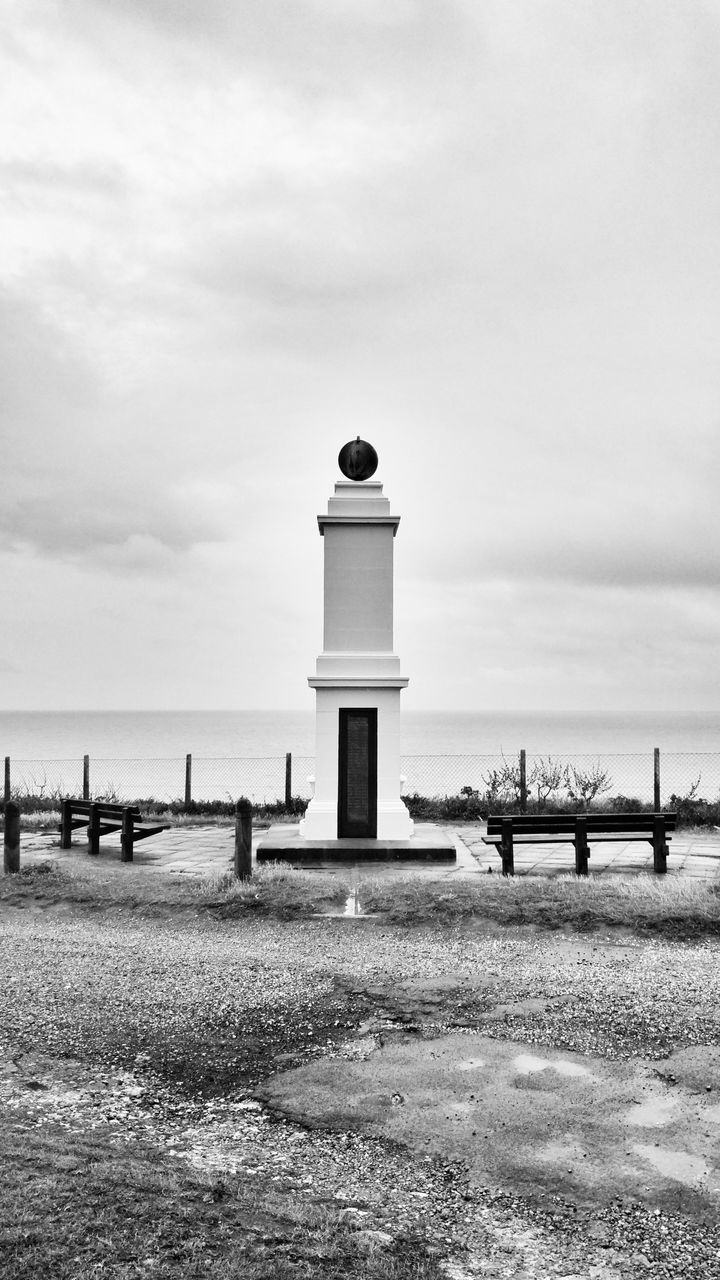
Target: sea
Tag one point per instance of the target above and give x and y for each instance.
(61, 735)
(136, 754)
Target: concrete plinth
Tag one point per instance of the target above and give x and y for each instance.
(285, 844)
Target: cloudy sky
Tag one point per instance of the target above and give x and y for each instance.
(482, 234)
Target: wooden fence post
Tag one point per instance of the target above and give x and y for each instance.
(188, 780)
(11, 852)
(7, 779)
(86, 778)
(243, 840)
(523, 781)
(288, 779)
(656, 779)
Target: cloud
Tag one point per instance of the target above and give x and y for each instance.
(76, 180)
(483, 236)
(561, 645)
(72, 490)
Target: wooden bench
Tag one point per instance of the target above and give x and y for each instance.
(101, 819)
(580, 829)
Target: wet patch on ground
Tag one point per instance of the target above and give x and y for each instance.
(531, 1122)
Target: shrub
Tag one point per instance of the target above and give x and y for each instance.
(584, 785)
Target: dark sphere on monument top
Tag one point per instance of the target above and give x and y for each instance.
(358, 460)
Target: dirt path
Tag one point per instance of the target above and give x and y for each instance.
(524, 1104)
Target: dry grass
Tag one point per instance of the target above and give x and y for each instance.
(278, 891)
(82, 1206)
(671, 906)
(99, 885)
(668, 905)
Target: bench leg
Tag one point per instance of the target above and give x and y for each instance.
(126, 837)
(660, 849)
(582, 853)
(65, 824)
(506, 848)
(94, 831)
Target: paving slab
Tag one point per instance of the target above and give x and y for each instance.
(205, 850)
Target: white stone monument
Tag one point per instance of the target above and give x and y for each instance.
(357, 681)
(356, 807)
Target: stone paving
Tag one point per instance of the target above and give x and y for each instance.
(691, 853)
(210, 849)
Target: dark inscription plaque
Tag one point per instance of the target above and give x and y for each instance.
(357, 768)
(357, 792)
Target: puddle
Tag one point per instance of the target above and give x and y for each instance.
(678, 1165)
(526, 1063)
(352, 906)
(653, 1113)
(360, 870)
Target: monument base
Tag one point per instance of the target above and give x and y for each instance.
(321, 822)
(285, 844)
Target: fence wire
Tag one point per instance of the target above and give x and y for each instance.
(564, 779)
(263, 780)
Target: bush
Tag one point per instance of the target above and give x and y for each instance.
(474, 806)
(221, 808)
(692, 812)
(467, 807)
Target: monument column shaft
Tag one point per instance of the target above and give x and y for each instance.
(358, 588)
(357, 668)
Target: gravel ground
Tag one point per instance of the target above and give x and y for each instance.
(165, 1028)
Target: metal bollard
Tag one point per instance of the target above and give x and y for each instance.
(243, 840)
(11, 852)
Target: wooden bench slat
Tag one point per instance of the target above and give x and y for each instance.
(84, 806)
(620, 837)
(142, 833)
(537, 839)
(566, 822)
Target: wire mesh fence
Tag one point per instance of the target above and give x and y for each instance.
(43, 779)
(566, 780)
(561, 780)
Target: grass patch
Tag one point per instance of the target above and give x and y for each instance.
(273, 890)
(280, 891)
(99, 885)
(668, 906)
(79, 1206)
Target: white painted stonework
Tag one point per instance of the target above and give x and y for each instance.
(358, 667)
